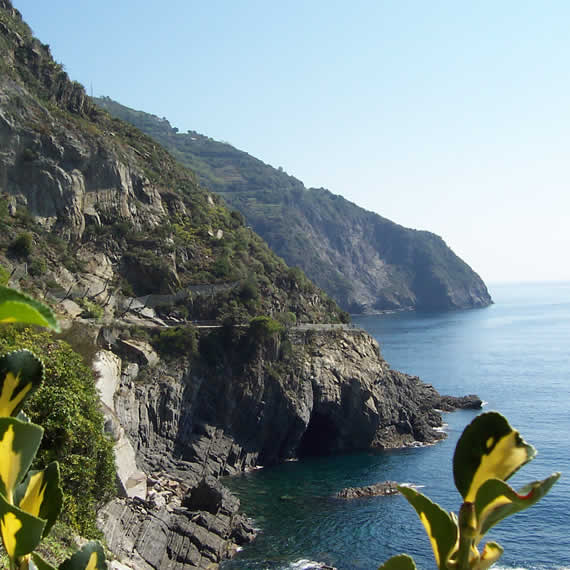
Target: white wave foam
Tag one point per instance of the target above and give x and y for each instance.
(411, 485)
(305, 564)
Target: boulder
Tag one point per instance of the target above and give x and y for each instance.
(377, 489)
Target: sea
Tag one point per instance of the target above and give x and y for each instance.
(515, 355)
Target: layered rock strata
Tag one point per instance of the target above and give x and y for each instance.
(193, 424)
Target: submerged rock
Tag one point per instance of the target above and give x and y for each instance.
(378, 489)
(450, 403)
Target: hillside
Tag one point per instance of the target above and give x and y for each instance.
(98, 220)
(94, 211)
(364, 261)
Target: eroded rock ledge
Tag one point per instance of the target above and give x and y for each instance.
(193, 424)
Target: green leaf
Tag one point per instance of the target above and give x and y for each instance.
(496, 500)
(491, 553)
(16, 307)
(21, 532)
(399, 562)
(90, 557)
(38, 563)
(19, 442)
(40, 495)
(488, 448)
(441, 528)
(21, 374)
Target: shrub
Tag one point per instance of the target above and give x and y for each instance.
(37, 267)
(264, 328)
(176, 341)
(22, 245)
(249, 290)
(4, 275)
(91, 310)
(67, 406)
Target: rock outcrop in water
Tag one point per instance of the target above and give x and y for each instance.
(193, 423)
(384, 489)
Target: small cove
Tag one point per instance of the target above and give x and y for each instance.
(514, 355)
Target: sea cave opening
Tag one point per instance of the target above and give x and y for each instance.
(320, 437)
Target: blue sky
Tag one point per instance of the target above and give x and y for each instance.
(450, 116)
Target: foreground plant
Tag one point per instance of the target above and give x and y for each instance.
(30, 501)
(488, 452)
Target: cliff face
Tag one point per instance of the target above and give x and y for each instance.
(336, 394)
(364, 261)
(191, 421)
(93, 208)
(96, 218)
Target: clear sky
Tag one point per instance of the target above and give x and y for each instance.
(451, 116)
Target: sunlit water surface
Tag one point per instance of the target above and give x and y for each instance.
(516, 356)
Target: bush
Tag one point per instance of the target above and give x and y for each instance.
(177, 341)
(91, 310)
(264, 328)
(249, 290)
(4, 275)
(22, 246)
(37, 267)
(67, 406)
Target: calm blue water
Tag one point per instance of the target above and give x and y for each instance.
(516, 356)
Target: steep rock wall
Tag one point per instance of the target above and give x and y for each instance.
(340, 396)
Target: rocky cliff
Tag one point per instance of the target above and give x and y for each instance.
(190, 422)
(93, 209)
(99, 220)
(364, 261)
(334, 393)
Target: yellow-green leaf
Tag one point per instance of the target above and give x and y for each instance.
(90, 557)
(15, 307)
(399, 562)
(21, 532)
(488, 448)
(40, 495)
(496, 500)
(491, 553)
(19, 442)
(441, 528)
(21, 374)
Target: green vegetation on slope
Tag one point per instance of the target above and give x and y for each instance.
(364, 261)
(67, 407)
(162, 232)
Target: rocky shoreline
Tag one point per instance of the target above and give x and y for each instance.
(178, 430)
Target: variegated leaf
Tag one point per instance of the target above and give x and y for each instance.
(40, 495)
(90, 557)
(21, 374)
(496, 500)
(21, 532)
(491, 553)
(488, 448)
(399, 562)
(15, 307)
(19, 442)
(441, 528)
